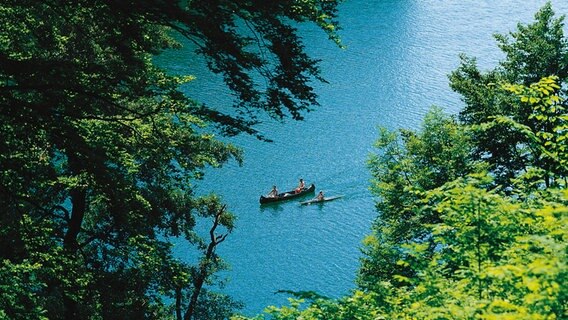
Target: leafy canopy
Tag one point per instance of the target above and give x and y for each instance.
(100, 150)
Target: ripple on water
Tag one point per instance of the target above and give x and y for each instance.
(396, 65)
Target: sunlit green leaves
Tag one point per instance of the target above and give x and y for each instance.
(547, 132)
(20, 289)
(536, 57)
(404, 167)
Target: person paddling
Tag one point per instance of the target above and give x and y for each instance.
(301, 186)
(320, 196)
(273, 193)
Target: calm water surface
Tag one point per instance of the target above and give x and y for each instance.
(395, 67)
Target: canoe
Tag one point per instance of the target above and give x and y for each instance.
(320, 201)
(288, 195)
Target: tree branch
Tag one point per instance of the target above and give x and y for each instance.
(208, 260)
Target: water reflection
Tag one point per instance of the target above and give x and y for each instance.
(274, 208)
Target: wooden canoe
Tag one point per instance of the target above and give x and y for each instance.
(315, 200)
(288, 195)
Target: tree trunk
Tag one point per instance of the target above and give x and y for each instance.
(70, 243)
(203, 274)
(79, 202)
(205, 264)
(178, 303)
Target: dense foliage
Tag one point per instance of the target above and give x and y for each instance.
(533, 52)
(473, 210)
(100, 150)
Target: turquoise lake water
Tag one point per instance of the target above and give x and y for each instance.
(395, 67)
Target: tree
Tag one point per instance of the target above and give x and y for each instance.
(533, 52)
(465, 246)
(547, 134)
(461, 245)
(491, 260)
(404, 168)
(519, 134)
(100, 150)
